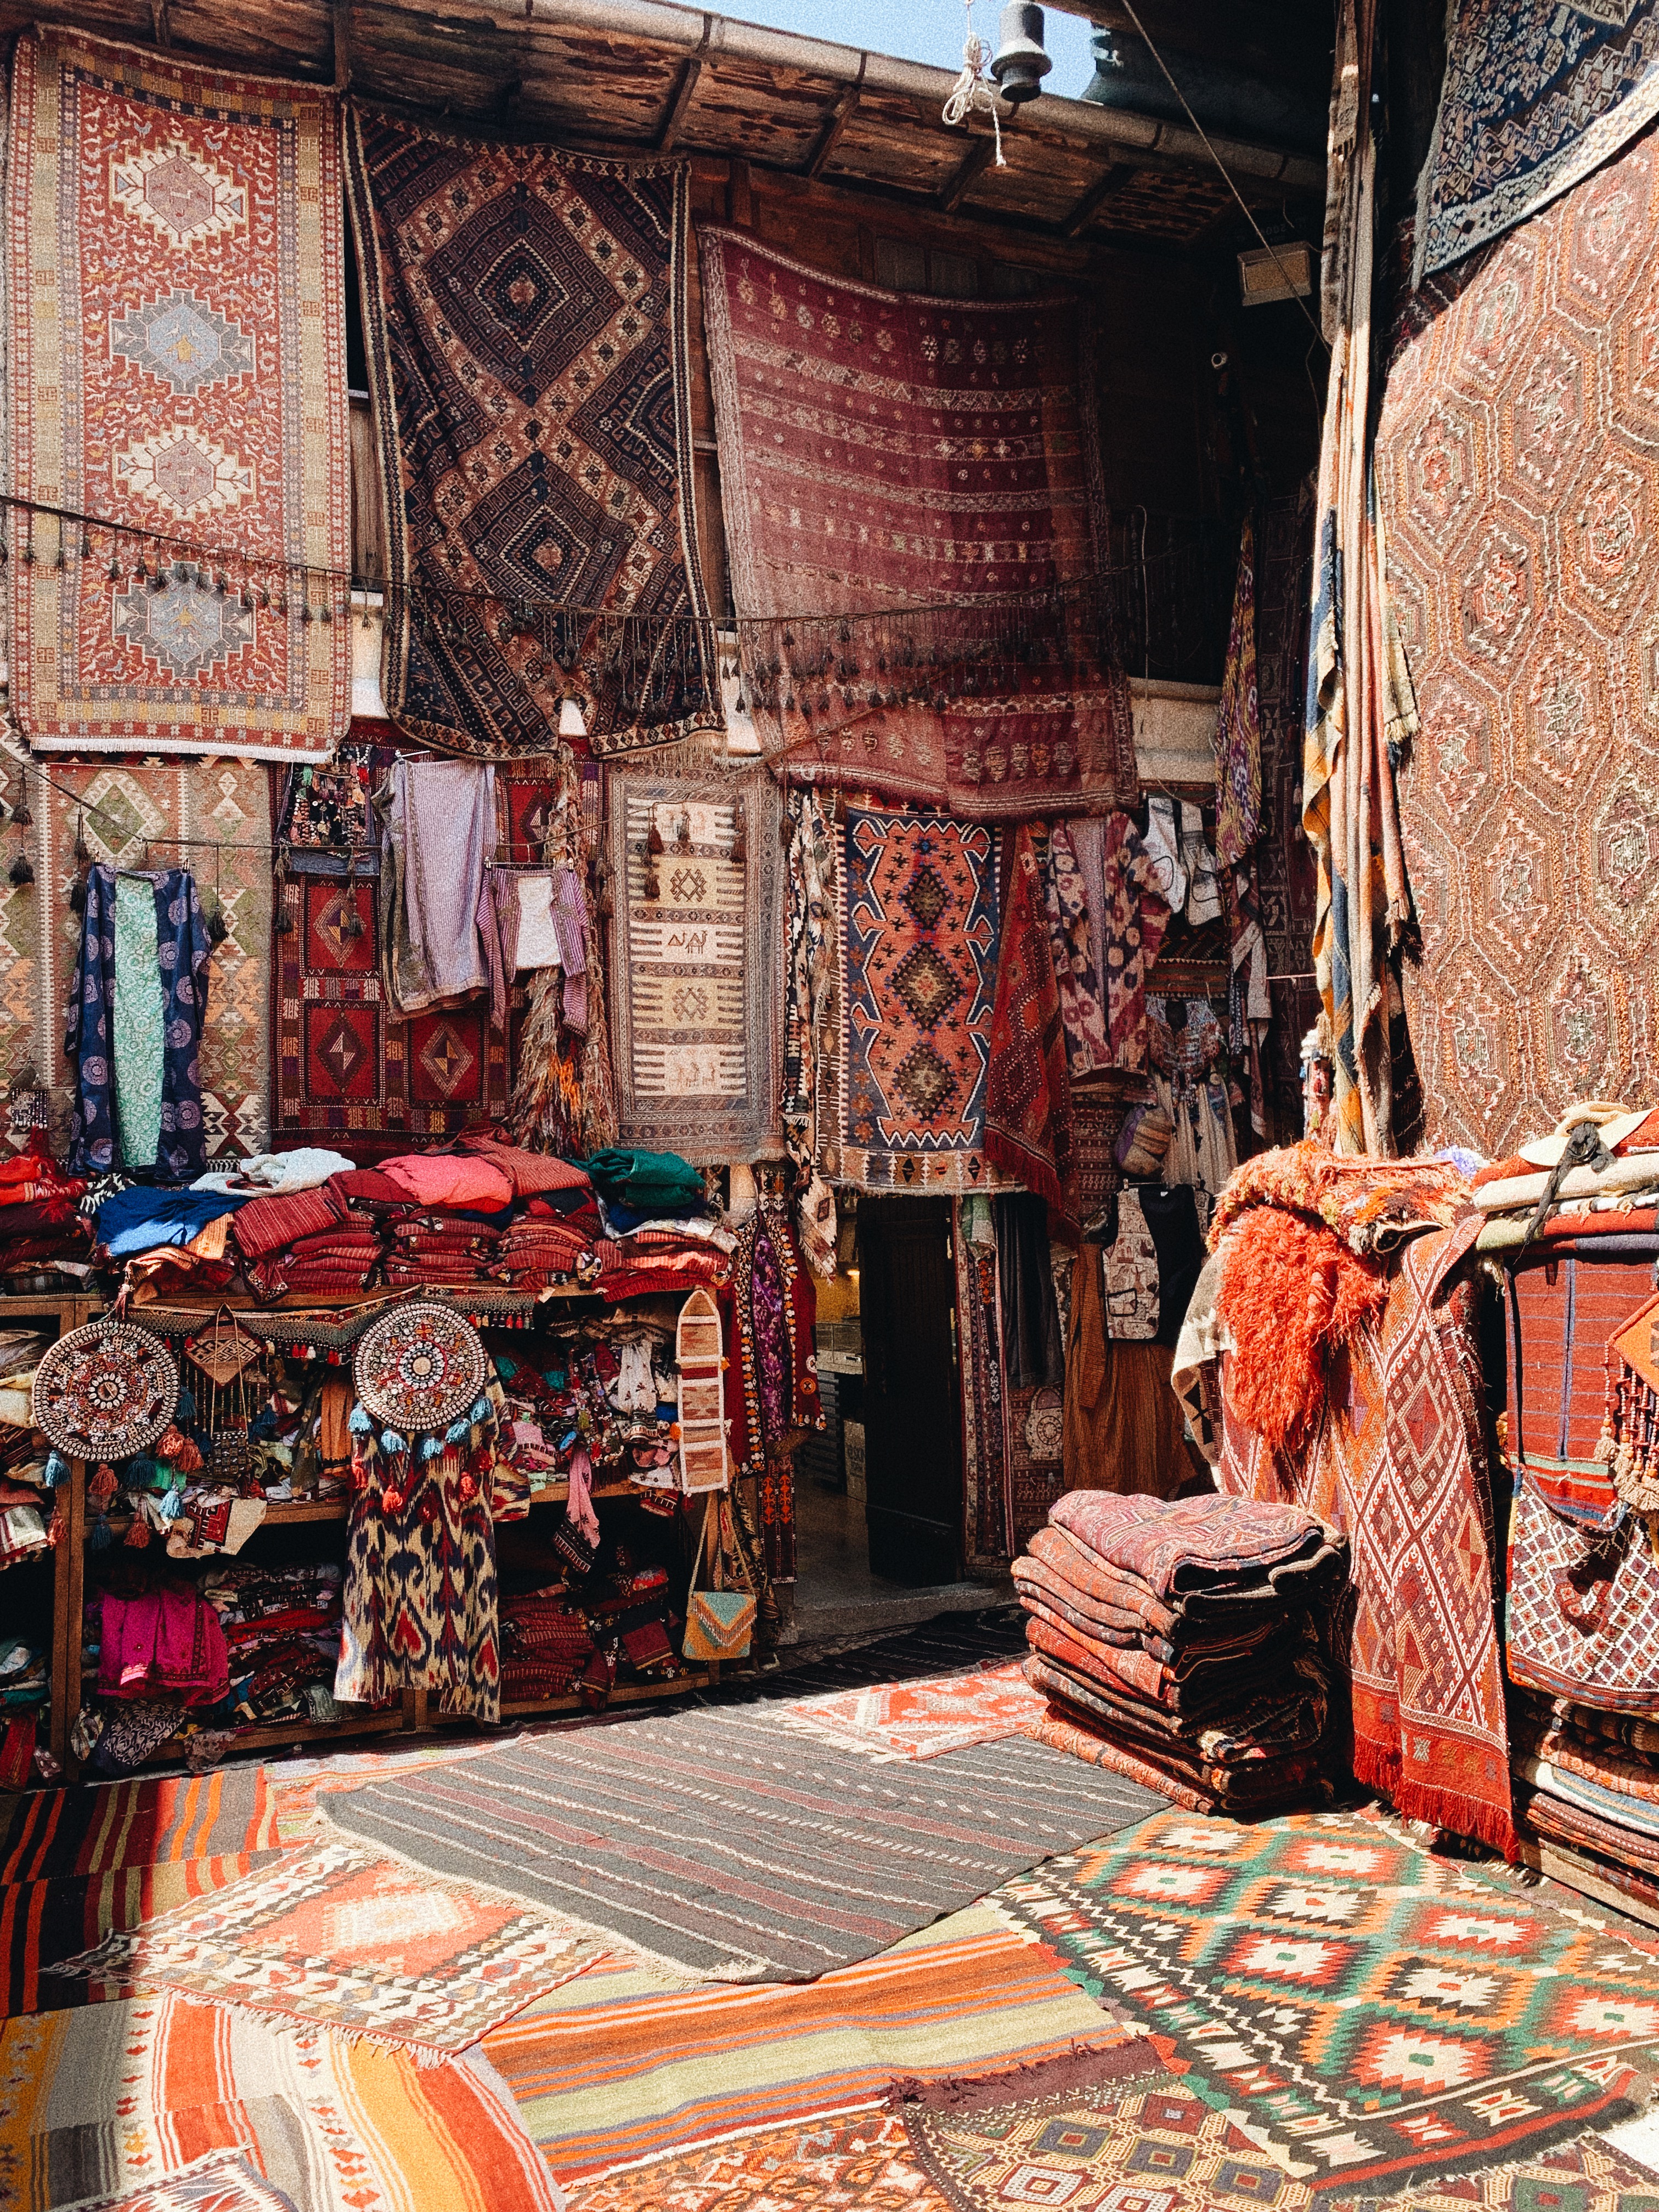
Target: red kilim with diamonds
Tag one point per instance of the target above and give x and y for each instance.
(175, 248)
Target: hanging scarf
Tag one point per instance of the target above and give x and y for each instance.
(1361, 711)
(810, 1014)
(1238, 727)
(1076, 976)
(1137, 915)
(1028, 1104)
(183, 948)
(564, 1099)
(768, 1312)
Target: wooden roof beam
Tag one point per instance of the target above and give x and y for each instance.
(1112, 180)
(839, 116)
(972, 166)
(680, 99)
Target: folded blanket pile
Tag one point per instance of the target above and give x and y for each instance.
(1176, 1643)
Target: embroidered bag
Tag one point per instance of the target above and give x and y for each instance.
(1582, 1616)
(718, 1623)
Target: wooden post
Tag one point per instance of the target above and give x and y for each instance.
(68, 1604)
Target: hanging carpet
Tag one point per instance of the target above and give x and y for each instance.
(926, 470)
(696, 987)
(797, 1873)
(184, 369)
(1535, 97)
(524, 316)
(1529, 819)
(918, 918)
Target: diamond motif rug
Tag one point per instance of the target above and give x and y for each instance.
(126, 814)
(918, 901)
(1367, 2014)
(524, 315)
(340, 1938)
(696, 988)
(919, 1720)
(189, 375)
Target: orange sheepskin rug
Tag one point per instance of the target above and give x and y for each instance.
(1291, 1294)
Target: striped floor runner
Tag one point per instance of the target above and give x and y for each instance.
(621, 2066)
(725, 1844)
(162, 1822)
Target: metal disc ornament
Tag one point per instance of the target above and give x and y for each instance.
(105, 1391)
(419, 1369)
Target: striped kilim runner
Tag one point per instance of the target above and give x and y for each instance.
(160, 1822)
(724, 1844)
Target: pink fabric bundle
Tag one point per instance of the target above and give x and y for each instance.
(270, 1223)
(166, 1642)
(528, 1172)
(450, 1179)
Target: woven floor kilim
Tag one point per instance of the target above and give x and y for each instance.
(1370, 2014)
(728, 1845)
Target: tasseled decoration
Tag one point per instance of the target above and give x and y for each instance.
(432, 1448)
(187, 1411)
(170, 1443)
(103, 1535)
(263, 1426)
(358, 1421)
(171, 1506)
(187, 1460)
(457, 1432)
(138, 1471)
(103, 1485)
(653, 843)
(20, 872)
(57, 1528)
(392, 1443)
(57, 1470)
(77, 896)
(653, 888)
(137, 1533)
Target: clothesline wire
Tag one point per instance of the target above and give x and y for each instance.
(1226, 174)
(224, 557)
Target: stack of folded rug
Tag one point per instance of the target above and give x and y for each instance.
(1588, 1789)
(1176, 1641)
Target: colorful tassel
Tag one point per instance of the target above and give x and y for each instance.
(138, 1535)
(392, 1443)
(432, 1448)
(456, 1433)
(186, 1403)
(103, 1535)
(480, 1409)
(103, 1485)
(358, 1421)
(171, 1506)
(57, 1470)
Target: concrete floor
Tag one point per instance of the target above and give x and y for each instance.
(836, 1596)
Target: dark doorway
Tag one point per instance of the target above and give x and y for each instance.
(913, 1429)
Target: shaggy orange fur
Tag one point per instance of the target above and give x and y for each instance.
(1291, 1294)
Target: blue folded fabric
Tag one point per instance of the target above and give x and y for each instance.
(139, 1220)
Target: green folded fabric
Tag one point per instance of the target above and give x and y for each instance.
(651, 1182)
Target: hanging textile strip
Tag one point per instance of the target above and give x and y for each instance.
(918, 917)
(189, 375)
(884, 453)
(524, 314)
(1238, 726)
(1534, 99)
(1529, 999)
(986, 1498)
(703, 1394)
(767, 1308)
(697, 997)
(1028, 1120)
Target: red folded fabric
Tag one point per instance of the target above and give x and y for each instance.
(528, 1172)
(366, 1187)
(270, 1223)
(449, 1179)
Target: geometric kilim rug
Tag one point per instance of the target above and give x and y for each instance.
(344, 1939)
(1365, 2014)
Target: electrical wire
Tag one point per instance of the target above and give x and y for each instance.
(1226, 177)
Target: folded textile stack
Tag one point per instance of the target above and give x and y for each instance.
(332, 1265)
(1589, 1782)
(1176, 1641)
(282, 1630)
(40, 1224)
(546, 1645)
(659, 1259)
(1595, 1174)
(435, 1248)
(544, 1247)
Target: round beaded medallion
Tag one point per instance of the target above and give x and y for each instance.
(419, 1369)
(105, 1391)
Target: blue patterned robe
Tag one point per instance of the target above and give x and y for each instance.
(183, 948)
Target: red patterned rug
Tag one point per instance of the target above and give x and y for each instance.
(883, 454)
(919, 1720)
(919, 940)
(187, 374)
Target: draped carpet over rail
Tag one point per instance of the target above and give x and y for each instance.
(524, 315)
(883, 454)
(177, 358)
(728, 1845)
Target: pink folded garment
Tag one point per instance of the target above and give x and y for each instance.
(168, 1640)
(270, 1223)
(528, 1172)
(451, 1179)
